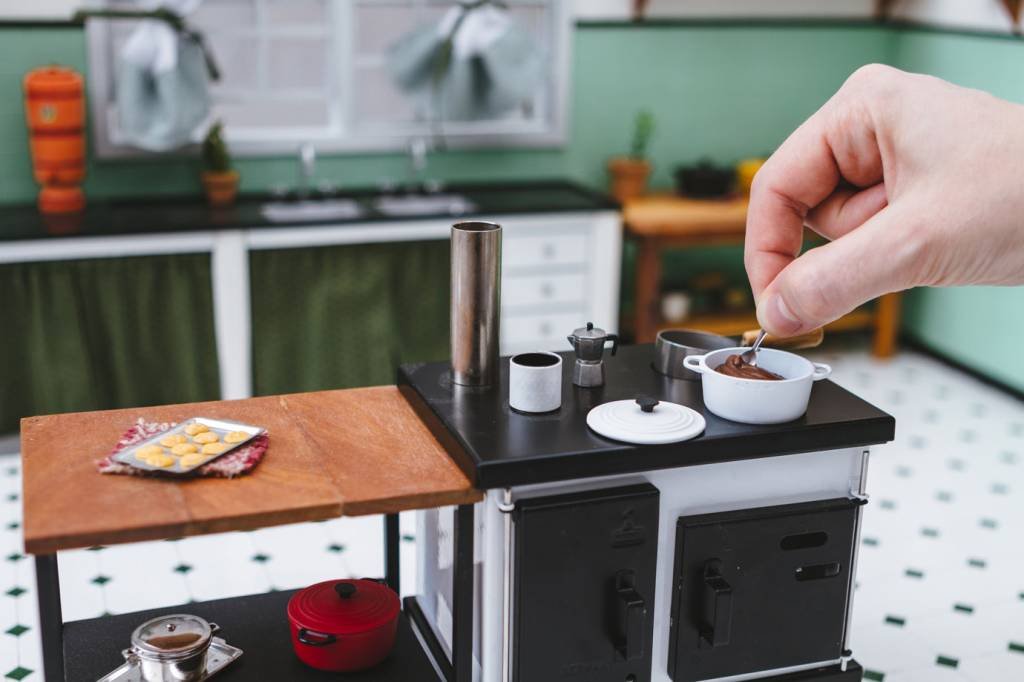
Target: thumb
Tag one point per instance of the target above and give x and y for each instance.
(829, 281)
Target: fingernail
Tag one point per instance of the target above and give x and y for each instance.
(777, 318)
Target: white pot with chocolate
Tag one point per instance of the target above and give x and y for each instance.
(777, 390)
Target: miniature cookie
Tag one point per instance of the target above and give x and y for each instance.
(183, 449)
(192, 459)
(172, 440)
(214, 448)
(160, 460)
(194, 429)
(236, 437)
(205, 437)
(148, 451)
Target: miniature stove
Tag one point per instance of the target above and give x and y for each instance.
(727, 557)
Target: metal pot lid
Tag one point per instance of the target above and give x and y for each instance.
(344, 607)
(645, 421)
(589, 332)
(170, 637)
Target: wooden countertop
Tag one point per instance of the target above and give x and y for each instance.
(332, 453)
(665, 215)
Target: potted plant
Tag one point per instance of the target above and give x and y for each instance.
(220, 180)
(629, 173)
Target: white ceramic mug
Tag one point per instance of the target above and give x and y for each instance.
(535, 382)
(758, 401)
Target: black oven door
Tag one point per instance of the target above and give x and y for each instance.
(583, 601)
(761, 589)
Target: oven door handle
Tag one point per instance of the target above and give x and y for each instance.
(632, 616)
(717, 607)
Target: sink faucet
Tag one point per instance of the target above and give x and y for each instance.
(418, 149)
(307, 168)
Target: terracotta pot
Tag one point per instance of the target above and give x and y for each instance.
(628, 177)
(221, 187)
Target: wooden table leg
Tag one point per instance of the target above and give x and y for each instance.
(645, 295)
(887, 325)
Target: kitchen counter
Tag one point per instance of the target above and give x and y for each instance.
(190, 214)
(497, 447)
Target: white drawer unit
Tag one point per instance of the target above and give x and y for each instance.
(559, 271)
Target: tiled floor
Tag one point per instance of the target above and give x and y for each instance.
(941, 577)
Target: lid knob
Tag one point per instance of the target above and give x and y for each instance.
(345, 590)
(590, 326)
(647, 403)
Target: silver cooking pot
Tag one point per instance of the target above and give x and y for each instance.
(171, 648)
(672, 346)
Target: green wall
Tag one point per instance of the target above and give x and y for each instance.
(978, 326)
(720, 91)
(724, 92)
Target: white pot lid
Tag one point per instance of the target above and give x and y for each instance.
(645, 421)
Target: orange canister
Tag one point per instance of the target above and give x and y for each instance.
(55, 114)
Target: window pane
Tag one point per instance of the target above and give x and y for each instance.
(291, 12)
(225, 14)
(297, 62)
(283, 114)
(379, 26)
(377, 101)
(238, 61)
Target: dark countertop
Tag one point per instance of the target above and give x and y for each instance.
(497, 447)
(170, 215)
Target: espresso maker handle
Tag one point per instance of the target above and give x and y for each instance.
(614, 338)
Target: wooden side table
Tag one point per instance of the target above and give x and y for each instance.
(657, 223)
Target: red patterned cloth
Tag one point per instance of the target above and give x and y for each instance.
(235, 463)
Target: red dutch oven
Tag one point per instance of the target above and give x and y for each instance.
(343, 625)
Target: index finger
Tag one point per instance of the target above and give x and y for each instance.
(801, 174)
(838, 142)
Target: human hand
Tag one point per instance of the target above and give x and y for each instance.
(915, 181)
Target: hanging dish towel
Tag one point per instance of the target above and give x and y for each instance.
(162, 89)
(476, 63)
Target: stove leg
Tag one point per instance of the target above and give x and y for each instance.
(391, 553)
(462, 597)
(51, 622)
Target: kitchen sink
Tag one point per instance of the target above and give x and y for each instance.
(317, 209)
(423, 204)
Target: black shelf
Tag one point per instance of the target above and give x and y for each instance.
(497, 447)
(257, 624)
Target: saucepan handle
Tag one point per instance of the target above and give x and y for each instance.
(821, 371)
(313, 638)
(696, 363)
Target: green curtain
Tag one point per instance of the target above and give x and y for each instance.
(346, 316)
(105, 333)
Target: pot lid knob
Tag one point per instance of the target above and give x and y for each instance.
(345, 590)
(647, 403)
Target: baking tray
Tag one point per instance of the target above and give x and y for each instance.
(218, 656)
(175, 466)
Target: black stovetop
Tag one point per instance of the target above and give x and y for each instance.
(498, 447)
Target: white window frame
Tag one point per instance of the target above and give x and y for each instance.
(548, 131)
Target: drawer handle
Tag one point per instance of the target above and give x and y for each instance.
(717, 606)
(547, 290)
(549, 251)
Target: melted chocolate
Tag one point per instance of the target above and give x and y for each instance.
(735, 367)
(173, 641)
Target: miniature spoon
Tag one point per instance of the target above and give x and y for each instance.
(750, 356)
